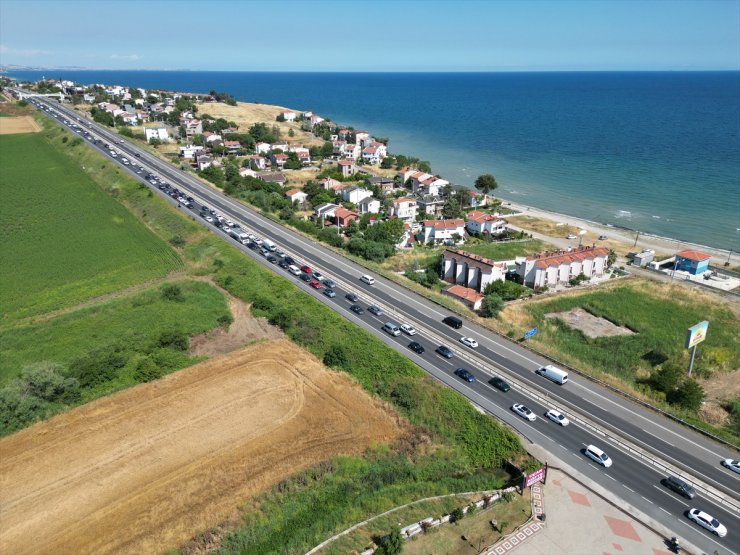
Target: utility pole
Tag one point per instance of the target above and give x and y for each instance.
(636, 237)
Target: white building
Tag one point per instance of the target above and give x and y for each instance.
(189, 151)
(443, 231)
(355, 194)
(369, 205)
(559, 267)
(485, 224)
(159, 133)
(288, 116)
(404, 208)
(470, 270)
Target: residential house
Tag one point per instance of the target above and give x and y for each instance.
(471, 270)
(304, 158)
(342, 216)
(371, 155)
(279, 146)
(559, 267)
(158, 133)
(443, 231)
(404, 208)
(331, 184)
(361, 136)
(485, 224)
(89, 98)
(306, 115)
(192, 127)
(430, 204)
(247, 172)
(204, 162)
(469, 297)
(347, 167)
(288, 116)
(421, 182)
(369, 205)
(211, 137)
(355, 194)
(296, 195)
(272, 177)
(262, 148)
(350, 151)
(189, 151)
(279, 159)
(257, 161)
(315, 120)
(693, 262)
(385, 184)
(232, 147)
(326, 210)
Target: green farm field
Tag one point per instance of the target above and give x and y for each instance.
(64, 239)
(134, 321)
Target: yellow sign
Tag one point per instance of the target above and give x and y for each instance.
(696, 334)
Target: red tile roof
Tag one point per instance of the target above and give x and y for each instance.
(293, 192)
(696, 256)
(465, 293)
(343, 213)
(474, 257)
(481, 217)
(444, 224)
(345, 162)
(557, 258)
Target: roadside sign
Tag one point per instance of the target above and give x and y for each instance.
(536, 476)
(530, 333)
(696, 334)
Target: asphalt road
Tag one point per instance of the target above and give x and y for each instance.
(634, 479)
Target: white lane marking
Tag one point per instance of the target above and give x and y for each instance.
(662, 509)
(669, 494)
(629, 488)
(610, 477)
(653, 422)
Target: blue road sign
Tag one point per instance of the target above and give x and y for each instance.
(530, 333)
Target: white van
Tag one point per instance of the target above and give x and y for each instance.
(295, 270)
(368, 279)
(553, 373)
(392, 328)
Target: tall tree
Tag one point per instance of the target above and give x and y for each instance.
(486, 183)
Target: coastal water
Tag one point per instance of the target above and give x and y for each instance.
(656, 152)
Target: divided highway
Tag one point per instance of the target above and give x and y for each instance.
(640, 442)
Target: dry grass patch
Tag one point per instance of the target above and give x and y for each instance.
(18, 124)
(246, 114)
(138, 471)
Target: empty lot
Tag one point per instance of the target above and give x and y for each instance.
(145, 469)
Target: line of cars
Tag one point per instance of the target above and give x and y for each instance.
(315, 280)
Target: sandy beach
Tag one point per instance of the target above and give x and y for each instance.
(622, 240)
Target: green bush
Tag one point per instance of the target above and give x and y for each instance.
(174, 339)
(98, 366)
(172, 292)
(457, 515)
(491, 306)
(147, 370)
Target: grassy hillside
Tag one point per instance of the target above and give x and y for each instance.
(65, 240)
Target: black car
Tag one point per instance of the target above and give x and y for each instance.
(679, 486)
(272, 259)
(372, 309)
(444, 351)
(306, 277)
(498, 383)
(357, 309)
(283, 264)
(289, 260)
(351, 297)
(330, 283)
(465, 375)
(416, 347)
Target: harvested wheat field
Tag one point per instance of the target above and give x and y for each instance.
(20, 124)
(144, 470)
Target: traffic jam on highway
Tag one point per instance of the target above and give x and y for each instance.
(455, 350)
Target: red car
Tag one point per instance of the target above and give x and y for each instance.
(306, 269)
(315, 284)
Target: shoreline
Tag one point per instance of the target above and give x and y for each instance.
(622, 234)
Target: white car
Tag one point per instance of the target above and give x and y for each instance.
(209, 219)
(570, 236)
(469, 341)
(707, 521)
(732, 465)
(597, 455)
(229, 223)
(524, 412)
(557, 417)
(408, 329)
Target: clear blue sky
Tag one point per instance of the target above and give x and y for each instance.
(373, 35)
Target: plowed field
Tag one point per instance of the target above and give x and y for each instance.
(145, 469)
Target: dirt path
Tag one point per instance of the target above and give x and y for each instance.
(144, 470)
(19, 124)
(244, 329)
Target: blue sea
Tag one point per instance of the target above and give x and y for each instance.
(657, 152)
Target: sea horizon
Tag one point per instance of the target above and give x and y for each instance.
(652, 151)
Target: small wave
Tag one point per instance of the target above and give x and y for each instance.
(624, 214)
(656, 217)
